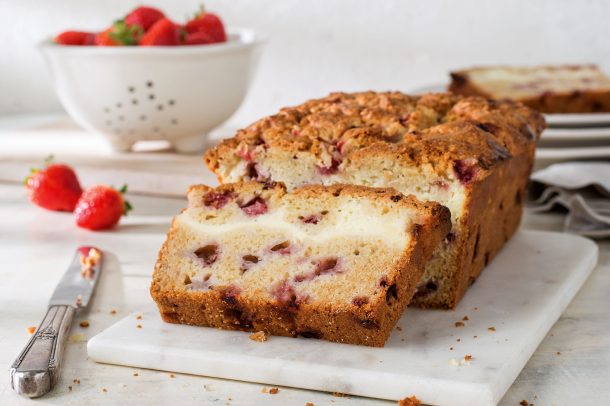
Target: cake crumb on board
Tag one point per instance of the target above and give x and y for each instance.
(409, 401)
(259, 336)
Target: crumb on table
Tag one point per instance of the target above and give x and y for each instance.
(139, 317)
(468, 357)
(136, 374)
(139, 326)
(340, 394)
(31, 330)
(459, 324)
(84, 323)
(309, 404)
(113, 312)
(77, 338)
(465, 318)
(264, 390)
(70, 388)
(492, 328)
(259, 336)
(273, 391)
(172, 375)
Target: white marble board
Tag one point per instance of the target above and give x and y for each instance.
(521, 295)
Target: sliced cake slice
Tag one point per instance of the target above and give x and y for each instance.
(549, 89)
(337, 262)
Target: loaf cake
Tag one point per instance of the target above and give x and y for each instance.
(549, 89)
(470, 154)
(339, 263)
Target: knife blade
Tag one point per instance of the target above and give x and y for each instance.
(36, 369)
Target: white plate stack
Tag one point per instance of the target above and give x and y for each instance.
(574, 137)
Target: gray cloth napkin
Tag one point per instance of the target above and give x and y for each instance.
(581, 188)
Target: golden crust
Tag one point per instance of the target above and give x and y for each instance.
(435, 127)
(368, 324)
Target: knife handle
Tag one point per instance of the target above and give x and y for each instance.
(36, 370)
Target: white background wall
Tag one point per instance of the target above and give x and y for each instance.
(317, 46)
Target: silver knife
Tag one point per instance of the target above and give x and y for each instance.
(36, 370)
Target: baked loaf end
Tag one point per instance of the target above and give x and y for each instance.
(470, 154)
(549, 89)
(339, 263)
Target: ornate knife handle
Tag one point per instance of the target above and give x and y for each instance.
(36, 370)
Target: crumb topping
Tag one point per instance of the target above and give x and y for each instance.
(421, 129)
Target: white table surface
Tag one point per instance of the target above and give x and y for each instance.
(578, 375)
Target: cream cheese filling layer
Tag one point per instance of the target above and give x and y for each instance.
(354, 220)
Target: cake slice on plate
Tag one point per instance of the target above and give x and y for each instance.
(337, 262)
(549, 89)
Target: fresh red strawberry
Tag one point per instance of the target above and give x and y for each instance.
(101, 207)
(198, 38)
(163, 32)
(120, 33)
(55, 187)
(209, 23)
(75, 38)
(144, 16)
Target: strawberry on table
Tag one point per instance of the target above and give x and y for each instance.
(163, 32)
(101, 207)
(209, 23)
(75, 38)
(144, 16)
(55, 187)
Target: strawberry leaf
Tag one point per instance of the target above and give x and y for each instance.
(128, 207)
(126, 34)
